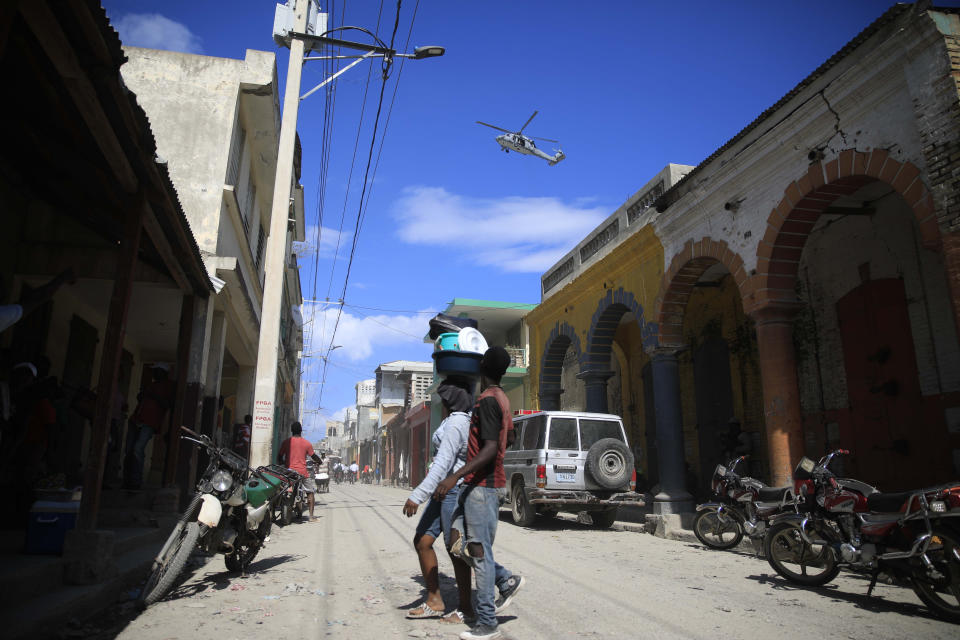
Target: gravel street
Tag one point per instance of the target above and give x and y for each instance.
(354, 574)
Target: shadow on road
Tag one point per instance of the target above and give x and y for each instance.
(872, 603)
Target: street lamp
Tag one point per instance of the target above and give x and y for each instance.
(291, 25)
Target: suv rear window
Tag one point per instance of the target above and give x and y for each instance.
(533, 435)
(563, 433)
(593, 430)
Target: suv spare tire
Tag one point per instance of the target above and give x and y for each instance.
(609, 463)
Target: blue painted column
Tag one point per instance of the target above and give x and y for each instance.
(673, 496)
(550, 398)
(595, 381)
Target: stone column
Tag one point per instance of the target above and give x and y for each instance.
(549, 398)
(951, 259)
(781, 395)
(218, 335)
(673, 497)
(595, 381)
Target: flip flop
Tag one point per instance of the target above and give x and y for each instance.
(423, 611)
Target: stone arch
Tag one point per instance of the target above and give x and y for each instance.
(561, 338)
(805, 199)
(771, 297)
(595, 362)
(603, 325)
(679, 279)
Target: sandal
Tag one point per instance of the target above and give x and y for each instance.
(423, 611)
(456, 617)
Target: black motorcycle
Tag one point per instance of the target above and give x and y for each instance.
(229, 514)
(293, 500)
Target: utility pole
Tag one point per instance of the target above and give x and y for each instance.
(265, 393)
(294, 29)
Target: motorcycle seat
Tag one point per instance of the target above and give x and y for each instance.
(772, 494)
(888, 502)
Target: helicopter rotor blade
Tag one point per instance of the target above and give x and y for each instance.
(528, 122)
(544, 139)
(493, 127)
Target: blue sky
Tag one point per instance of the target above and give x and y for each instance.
(626, 87)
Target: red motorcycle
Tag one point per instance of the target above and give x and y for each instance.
(743, 505)
(913, 536)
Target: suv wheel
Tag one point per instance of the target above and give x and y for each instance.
(521, 509)
(609, 463)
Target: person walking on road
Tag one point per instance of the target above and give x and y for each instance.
(450, 441)
(293, 453)
(477, 516)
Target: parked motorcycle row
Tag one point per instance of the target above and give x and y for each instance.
(231, 513)
(823, 523)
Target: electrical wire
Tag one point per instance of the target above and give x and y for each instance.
(385, 73)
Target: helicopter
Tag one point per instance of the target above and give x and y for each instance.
(516, 141)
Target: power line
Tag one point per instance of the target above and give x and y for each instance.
(366, 176)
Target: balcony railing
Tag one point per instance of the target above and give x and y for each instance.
(518, 356)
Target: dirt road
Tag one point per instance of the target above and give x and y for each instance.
(354, 574)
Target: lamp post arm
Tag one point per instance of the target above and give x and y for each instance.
(369, 54)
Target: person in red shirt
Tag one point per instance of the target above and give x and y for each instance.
(293, 454)
(241, 437)
(491, 427)
(148, 419)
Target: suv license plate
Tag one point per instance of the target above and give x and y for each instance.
(566, 477)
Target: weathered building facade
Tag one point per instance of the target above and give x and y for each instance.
(82, 188)
(803, 280)
(217, 123)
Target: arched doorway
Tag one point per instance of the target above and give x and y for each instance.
(856, 324)
(702, 315)
(560, 356)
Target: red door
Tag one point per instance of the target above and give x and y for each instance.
(894, 445)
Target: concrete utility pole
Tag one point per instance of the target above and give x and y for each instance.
(265, 393)
(264, 397)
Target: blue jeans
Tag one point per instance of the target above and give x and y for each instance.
(138, 453)
(479, 513)
(438, 516)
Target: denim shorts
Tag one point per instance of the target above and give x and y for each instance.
(437, 516)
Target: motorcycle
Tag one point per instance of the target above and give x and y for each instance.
(911, 536)
(228, 515)
(743, 506)
(293, 501)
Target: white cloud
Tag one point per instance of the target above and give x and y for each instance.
(359, 334)
(153, 31)
(515, 233)
(330, 242)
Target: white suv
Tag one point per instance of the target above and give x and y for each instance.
(569, 461)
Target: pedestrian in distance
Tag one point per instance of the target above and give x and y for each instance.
(241, 437)
(148, 420)
(293, 454)
(450, 442)
(475, 521)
